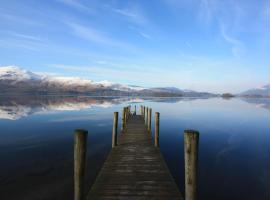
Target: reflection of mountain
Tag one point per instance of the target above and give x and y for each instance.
(259, 102)
(14, 80)
(16, 107)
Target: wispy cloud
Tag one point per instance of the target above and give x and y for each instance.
(238, 48)
(206, 10)
(145, 35)
(22, 36)
(132, 13)
(140, 32)
(96, 36)
(22, 44)
(77, 5)
(129, 74)
(7, 17)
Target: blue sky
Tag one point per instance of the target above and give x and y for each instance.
(205, 45)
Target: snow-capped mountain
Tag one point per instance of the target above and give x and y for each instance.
(262, 91)
(15, 80)
(16, 74)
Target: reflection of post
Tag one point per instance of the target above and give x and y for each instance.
(135, 110)
(157, 130)
(80, 146)
(114, 131)
(149, 119)
(191, 143)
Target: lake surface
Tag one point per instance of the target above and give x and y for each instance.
(36, 145)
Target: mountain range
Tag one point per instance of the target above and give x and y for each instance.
(15, 80)
(257, 92)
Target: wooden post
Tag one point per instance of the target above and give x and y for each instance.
(123, 120)
(114, 131)
(191, 143)
(157, 130)
(80, 147)
(135, 110)
(146, 116)
(127, 113)
(149, 119)
(144, 110)
(125, 116)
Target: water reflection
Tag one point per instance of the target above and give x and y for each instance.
(16, 107)
(36, 144)
(259, 102)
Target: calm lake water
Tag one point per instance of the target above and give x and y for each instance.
(36, 145)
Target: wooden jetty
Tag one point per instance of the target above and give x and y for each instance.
(135, 168)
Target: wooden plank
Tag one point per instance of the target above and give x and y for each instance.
(135, 169)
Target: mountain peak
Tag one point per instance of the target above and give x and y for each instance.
(16, 74)
(259, 91)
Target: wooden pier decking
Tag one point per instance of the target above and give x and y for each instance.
(135, 168)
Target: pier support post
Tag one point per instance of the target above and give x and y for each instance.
(80, 148)
(114, 131)
(146, 116)
(191, 143)
(125, 115)
(149, 119)
(157, 130)
(144, 111)
(123, 120)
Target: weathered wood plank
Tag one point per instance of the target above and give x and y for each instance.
(135, 169)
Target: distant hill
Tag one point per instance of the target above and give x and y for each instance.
(14, 80)
(257, 92)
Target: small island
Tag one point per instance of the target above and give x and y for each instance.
(227, 95)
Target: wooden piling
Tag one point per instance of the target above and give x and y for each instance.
(191, 143)
(80, 148)
(114, 131)
(126, 115)
(146, 116)
(157, 129)
(123, 120)
(127, 112)
(149, 119)
(144, 111)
